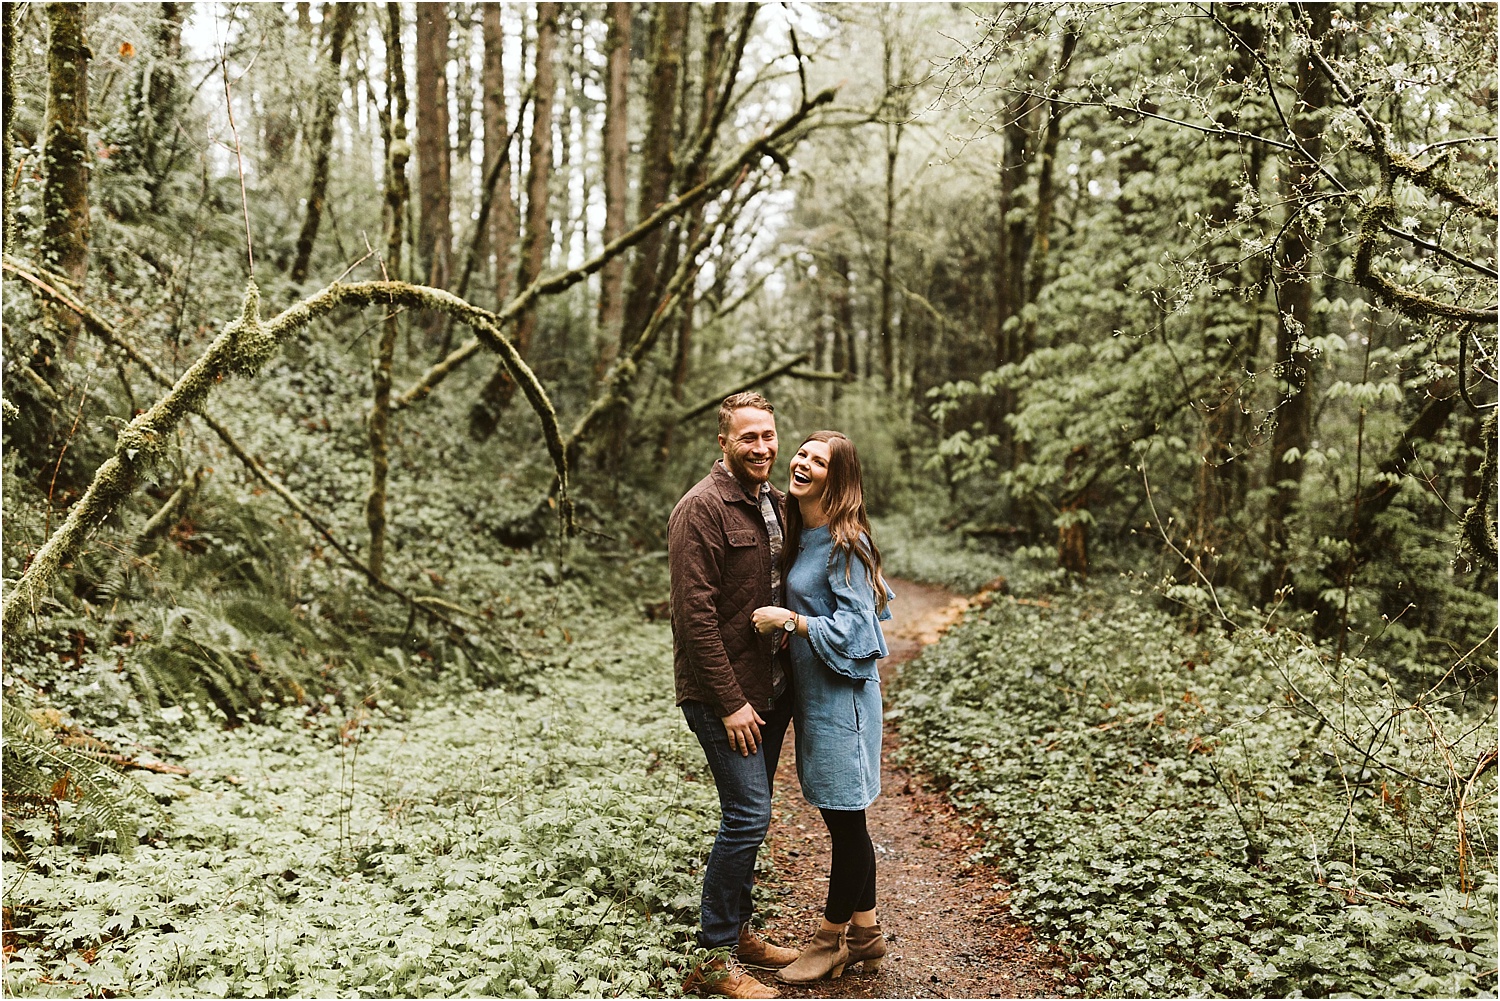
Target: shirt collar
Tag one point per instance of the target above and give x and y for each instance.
(731, 489)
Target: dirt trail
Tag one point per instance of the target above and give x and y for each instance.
(946, 924)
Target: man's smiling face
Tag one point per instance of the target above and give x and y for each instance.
(750, 446)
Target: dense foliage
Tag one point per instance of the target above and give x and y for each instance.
(541, 842)
(1190, 815)
(1102, 236)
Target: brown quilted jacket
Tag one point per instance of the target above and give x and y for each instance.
(720, 560)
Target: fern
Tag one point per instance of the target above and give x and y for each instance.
(76, 786)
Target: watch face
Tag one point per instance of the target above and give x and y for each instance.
(790, 625)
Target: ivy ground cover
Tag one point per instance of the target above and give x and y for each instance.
(1195, 815)
(522, 843)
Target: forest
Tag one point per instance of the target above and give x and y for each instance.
(355, 355)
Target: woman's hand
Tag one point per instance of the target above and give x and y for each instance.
(769, 618)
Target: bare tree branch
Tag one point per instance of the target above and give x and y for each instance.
(706, 404)
(564, 280)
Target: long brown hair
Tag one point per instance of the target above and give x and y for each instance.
(848, 522)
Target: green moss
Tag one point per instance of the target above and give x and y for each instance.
(253, 342)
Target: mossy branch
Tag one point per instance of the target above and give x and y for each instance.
(1476, 536)
(169, 513)
(1379, 213)
(527, 297)
(106, 332)
(242, 348)
(1376, 219)
(621, 375)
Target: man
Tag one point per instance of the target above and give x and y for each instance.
(724, 549)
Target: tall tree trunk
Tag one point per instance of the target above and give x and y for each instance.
(162, 93)
(503, 221)
(65, 159)
(484, 415)
(1294, 266)
(888, 241)
(280, 120)
(397, 191)
(669, 26)
(1072, 542)
(7, 107)
(1046, 198)
(845, 353)
(616, 156)
(713, 69)
(1023, 140)
(560, 183)
(1011, 250)
(461, 54)
(1232, 332)
(330, 87)
(434, 158)
(893, 130)
(538, 236)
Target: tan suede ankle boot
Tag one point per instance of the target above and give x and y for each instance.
(866, 945)
(824, 956)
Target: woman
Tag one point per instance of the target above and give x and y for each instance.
(831, 566)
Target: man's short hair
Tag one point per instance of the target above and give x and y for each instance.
(739, 401)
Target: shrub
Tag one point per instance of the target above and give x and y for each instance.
(1192, 815)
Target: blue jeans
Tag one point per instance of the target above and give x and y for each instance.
(744, 783)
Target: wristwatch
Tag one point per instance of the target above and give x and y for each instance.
(790, 625)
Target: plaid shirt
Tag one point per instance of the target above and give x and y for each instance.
(778, 594)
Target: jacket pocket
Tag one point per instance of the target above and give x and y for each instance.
(742, 556)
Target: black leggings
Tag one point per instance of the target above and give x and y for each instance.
(851, 878)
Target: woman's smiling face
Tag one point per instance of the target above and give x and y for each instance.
(810, 471)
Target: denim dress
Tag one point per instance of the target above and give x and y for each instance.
(837, 686)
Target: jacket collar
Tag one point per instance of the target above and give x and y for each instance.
(733, 491)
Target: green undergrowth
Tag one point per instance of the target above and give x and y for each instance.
(915, 547)
(522, 843)
(1191, 815)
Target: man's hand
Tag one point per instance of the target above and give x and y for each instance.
(770, 618)
(743, 726)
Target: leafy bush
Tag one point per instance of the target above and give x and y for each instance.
(1195, 815)
(501, 844)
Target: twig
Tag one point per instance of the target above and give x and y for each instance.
(83, 398)
(1161, 529)
(801, 65)
(168, 512)
(1463, 373)
(369, 253)
(238, 153)
(1458, 259)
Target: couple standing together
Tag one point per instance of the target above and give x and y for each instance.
(776, 607)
